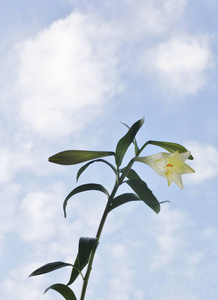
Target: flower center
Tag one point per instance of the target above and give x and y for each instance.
(168, 171)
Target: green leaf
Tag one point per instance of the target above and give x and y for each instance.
(132, 174)
(75, 271)
(62, 289)
(49, 268)
(83, 188)
(86, 245)
(122, 199)
(171, 147)
(134, 140)
(144, 193)
(83, 168)
(125, 142)
(72, 157)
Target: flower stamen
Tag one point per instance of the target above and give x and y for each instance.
(169, 165)
(168, 172)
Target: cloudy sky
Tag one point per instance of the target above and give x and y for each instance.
(71, 71)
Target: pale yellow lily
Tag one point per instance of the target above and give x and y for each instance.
(169, 165)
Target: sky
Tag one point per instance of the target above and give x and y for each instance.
(71, 72)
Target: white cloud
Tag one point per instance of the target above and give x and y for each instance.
(18, 286)
(38, 214)
(2, 240)
(8, 206)
(154, 17)
(194, 259)
(210, 233)
(8, 211)
(122, 274)
(172, 294)
(12, 161)
(40, 220)
(66, 74)
(205, 162)
(181, 62)
(167, 233)
(138, 18)
(21, 155)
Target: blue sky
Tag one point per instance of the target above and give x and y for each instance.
(71, 71)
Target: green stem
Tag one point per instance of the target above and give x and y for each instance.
(103, 219)
(98, 235)
(143, 147)
(126, 170)
(129, 166)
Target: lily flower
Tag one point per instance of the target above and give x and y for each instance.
(169, 165)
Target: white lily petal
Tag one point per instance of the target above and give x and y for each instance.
(183, 156)
(168, 165)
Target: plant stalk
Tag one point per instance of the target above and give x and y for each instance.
(119, 181)
(98, 235)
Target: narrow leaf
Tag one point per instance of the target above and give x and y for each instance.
(132, 174)
(72, 157)
(171, 147)
(62, 289)
(86, 245)
(83, 168)
(83, 188)
(121, 199)
(144, 193)
(75, 271)
(49, 268)
(125, 142)
(134, 140)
